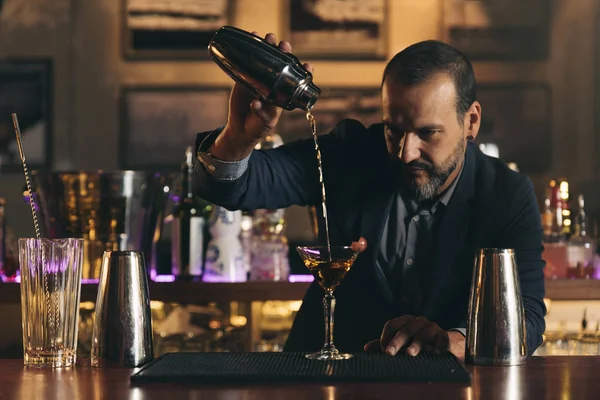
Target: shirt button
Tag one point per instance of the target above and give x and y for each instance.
(409, 261)
(201, 159)
(416, 218)
(211, 167)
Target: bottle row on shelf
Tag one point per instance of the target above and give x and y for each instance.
(213, 244)
(570, 244)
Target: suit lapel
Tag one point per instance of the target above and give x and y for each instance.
(451, 234)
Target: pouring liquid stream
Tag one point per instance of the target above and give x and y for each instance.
(313, 126)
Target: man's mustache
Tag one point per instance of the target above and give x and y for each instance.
(420, 164)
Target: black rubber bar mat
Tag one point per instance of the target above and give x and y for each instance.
(235, 368)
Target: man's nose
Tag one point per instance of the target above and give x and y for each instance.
(409, 148)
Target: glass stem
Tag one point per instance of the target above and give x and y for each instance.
(329, 310)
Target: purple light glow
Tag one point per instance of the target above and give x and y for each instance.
(292, 278)
(171, 278)
(163, 278)
(54, 267)
(315, 252)
(301, 278)
(218, 279)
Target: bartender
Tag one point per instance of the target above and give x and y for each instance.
(416, 190)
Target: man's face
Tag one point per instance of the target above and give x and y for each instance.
(425, 139)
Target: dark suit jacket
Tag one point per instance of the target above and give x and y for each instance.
(492, 206)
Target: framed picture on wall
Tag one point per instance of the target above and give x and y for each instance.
(158, 123)
(26, 89)
(333, 29)
(172, 29)
(498, 29)
(517, 119)
(334, 104)
(597, 99)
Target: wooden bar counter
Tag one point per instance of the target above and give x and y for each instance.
(540, 378)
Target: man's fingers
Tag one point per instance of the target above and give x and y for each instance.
(423, 339)
(391, 328)
(308, 67)
(373, 345)
(256, 106)
(398, 341)
(405, 335)
(442, 341)
(398, 332)
(270, 37)
(266, 113)
(285, 46)
(416, 334)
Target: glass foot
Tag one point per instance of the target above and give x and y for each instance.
(328, 355)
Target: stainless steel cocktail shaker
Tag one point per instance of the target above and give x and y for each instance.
(496, 332)
(122, 334)
(274, 76)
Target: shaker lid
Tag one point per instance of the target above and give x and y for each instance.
(307, 95)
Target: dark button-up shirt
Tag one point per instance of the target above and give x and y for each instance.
(407, 244)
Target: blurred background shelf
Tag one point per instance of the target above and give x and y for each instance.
(202, 292)
(192, 292)
(573, 289)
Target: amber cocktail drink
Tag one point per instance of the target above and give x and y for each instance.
(329, 267)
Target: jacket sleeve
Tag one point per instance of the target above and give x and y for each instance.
(524, 234)
(280, 177)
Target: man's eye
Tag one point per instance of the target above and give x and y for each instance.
(428, 132)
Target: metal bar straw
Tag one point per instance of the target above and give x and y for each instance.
(53, 312)
(27, 180)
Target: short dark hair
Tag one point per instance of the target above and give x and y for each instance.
(420, 61)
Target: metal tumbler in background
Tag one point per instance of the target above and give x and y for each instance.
(118, 210)
(122, 333)
(496, 320)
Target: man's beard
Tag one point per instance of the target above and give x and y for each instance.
(436, 176)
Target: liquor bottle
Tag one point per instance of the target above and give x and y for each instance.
(9, 255)
(547, 221)
(558, 193)
(246, 239)
(225, 252)
(567, 219)
(187, 242)
(269, 245)
(580, 247)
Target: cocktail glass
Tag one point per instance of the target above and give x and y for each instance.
(329, 267)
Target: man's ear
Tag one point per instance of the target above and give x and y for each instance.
(472, 121)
